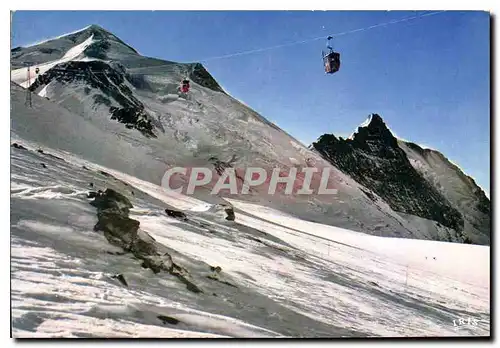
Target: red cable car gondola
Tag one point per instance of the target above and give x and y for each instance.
(331, 59)
(185, 86)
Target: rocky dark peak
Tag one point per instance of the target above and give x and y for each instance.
(375, 131)
(373, 158)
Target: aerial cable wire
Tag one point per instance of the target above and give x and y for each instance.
(406, 19)
(263, 49)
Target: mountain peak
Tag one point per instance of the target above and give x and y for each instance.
(373, 122)
(373, 129)
(101, 39)
(376, 121)
(96, 27)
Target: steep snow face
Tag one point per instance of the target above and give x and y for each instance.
(131, 100)
(458, 188)
(26, 78)
(279, 276)
(43, 92)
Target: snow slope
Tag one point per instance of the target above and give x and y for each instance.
(288, 277)
(460, 189)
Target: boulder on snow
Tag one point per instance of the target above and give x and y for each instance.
(176, 214)
(17, 146)
(50, 155)
(156, 263)
(120, 278)
(120, 230)
(228, 210)
(223, 211)
(112, 201)
(216, 269)
(168, 320)
(104, 173)
(230, 213)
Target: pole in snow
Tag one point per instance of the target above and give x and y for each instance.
(28, 92)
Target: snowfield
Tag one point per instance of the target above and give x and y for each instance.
(282, 277)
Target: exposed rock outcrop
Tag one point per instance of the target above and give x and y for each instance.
(120, 230)
(373, 158)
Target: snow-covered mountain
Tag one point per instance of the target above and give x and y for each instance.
(412, 180)
(100, 249)
(114, 93)
(134, 100)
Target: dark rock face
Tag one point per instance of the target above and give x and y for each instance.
(98, 49)
(374, 159)
(110, 81)
(201, 76)
(120, 230)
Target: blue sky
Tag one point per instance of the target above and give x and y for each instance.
(428, 78)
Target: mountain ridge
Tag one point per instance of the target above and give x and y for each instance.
(374, 157)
